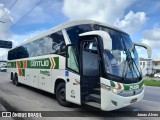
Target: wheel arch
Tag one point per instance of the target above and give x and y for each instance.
(58, 81)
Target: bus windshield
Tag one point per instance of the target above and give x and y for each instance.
(121, 61)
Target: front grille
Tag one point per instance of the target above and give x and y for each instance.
(128, 93)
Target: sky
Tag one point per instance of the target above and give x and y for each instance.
(139, 18)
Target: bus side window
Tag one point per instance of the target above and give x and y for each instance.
(57, 44)
(40, 47)
(73, 32)
(72, 62)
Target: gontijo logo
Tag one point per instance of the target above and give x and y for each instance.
(39, 63)
(46, 63)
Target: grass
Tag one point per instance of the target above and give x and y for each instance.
(151, 82)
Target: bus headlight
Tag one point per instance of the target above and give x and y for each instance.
(111, 89)
(116, 91)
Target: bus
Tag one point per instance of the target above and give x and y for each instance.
(81, 62)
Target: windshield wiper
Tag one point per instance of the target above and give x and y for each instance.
(130, 61)
(131, 64)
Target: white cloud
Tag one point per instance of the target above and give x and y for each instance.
(110, 12)
(153, 34)
(100, 10)
(132, 22)
(18, 39)
(4, 32)
(152, 37)
(17, 12)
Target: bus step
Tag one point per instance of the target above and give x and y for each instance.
(96, 91)
(93, 104)
(95, 98)
(84, 93)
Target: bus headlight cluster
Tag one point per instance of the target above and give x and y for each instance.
(111, 89)
(116, 91)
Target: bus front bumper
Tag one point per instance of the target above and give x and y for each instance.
(111, 101)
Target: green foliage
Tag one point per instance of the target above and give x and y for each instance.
(152, 82)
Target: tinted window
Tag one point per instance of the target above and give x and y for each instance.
(22, 52)
(41, 47)
(117, 44)
(30, 49)
(73, 32)
(90, 46)
(10, 55)
(13, 54)
(51, 44)
(56, 43)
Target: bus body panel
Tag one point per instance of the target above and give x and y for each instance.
(39, 77)
(73, 93)
(112, 101)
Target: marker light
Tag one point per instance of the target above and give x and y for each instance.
(114, 90)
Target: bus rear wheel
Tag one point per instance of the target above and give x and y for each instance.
(15, 79)
(61, 95)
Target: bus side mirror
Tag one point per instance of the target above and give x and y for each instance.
(148, 48)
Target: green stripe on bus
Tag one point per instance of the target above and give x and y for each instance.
(56, 59)
(112, 83)
(133, 86)
(23, 72)
(44, 63)
(11, 64)
(21, 63)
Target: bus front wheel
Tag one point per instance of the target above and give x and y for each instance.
(61, 95)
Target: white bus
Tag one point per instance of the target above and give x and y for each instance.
(82, 62)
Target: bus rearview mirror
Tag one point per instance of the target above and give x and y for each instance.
(148, 48)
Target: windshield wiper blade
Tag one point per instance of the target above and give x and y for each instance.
(131, 64)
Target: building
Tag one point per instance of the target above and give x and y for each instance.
(146, 66)
(3, 63)
(156, 65)
(150, 66)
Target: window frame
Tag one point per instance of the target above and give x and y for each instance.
(67, 68)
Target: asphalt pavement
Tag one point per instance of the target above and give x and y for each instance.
(25, 98)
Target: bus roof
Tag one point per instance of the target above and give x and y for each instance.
(66, 25)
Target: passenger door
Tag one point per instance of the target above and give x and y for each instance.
(73, 93)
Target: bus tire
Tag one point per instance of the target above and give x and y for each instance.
(60, 95)
(15, 79)
(11, 76)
